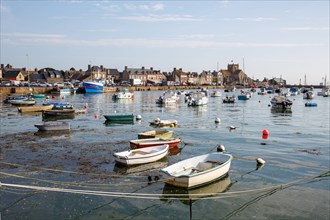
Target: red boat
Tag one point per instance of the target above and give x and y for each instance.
(150, 142)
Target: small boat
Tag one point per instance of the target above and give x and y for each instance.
(262, 91)
(53, 126)
(80, 111)
(59, 105)
(38, 96)
(119, 117)
(141, 156)
(197, 171)
(229, 99)
(123, 94)
(308, 95)
(167, 99)
(163, 123)
(58, 112)
(35, 108)
(160, 133)
(281, 103)
(198, 99)
(27, 101)
(310, 104)
(151, 142)
(9, 98)
(244, 95)
(216, 94)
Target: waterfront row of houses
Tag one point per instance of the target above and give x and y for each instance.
(233, 75)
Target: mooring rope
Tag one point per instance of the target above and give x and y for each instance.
(218, 195)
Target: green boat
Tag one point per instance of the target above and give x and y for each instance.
(119, 117)
(40, 96)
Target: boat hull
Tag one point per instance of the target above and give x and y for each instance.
(118, 117)
(59, 112)
(155, 134)
(141, 156)
(93, 87)
(151, 142)
(198, 171)
(53, 126)
(35, 108)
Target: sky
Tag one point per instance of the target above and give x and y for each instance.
(288, 39)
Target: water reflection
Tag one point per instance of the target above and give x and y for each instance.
(184, 195)
(57, 117)
(108, 123)
(124, 170)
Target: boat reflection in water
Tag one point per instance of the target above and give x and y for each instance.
(174, 150)
(108, 123)
(281, 112)
(155, 166)
(189, 195)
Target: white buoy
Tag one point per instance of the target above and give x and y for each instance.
(221, 148)
(260, 161)
(157, 119)
(217, 120)
(138, 117)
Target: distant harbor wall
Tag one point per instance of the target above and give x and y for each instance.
(47, 90)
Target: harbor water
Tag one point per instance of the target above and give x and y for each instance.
(80, 180)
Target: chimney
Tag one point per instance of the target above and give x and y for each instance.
(89, 66)
(143, 68)
(2, 66)
(35, 70)
(102, 68)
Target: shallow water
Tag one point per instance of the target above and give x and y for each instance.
(288, 186)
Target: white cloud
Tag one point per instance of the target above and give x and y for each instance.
(144, 7)
(198, 36)
(305, 29)
(256, 19)
(54, 39)
(3, 8)
(158, 18)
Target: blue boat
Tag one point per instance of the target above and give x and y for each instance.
(310, 104)
(93, 87)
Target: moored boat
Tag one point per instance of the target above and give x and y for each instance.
(93, 87)
(119, 117)
(198, 99)
(281, 103)
(59, 112)
(216, 94)
(53, 126)
(28, 101)
(141, 156)
(123, 94)
(310, 104)
(229, 99)
(244, 95)
(38, 96)
(35, 108)
(160, 133)
(162, 123)
(197, 171)
(151, 142)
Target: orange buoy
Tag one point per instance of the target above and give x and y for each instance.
(265, 132)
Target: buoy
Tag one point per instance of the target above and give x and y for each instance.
(138, 117)
(265, 136)
(172, 125)
(221, 148)
(157, 119)
(217, 120)
(86, 105)
(96, 116)
(265, 132)
(260, 161)
(53, 97)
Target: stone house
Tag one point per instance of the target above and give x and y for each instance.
(141, 73)
(205, 78)
(233, 75)
(13, 74)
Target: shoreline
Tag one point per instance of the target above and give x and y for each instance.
(47, 90)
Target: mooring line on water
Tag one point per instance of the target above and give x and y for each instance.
(84, 185)
(66, 171)
(172, 196)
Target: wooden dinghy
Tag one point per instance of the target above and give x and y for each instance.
(197, 171)
(162, 123)
(141, 156)
(160, 133)
(151, 142)
(35, 108)
(23, 102)
(59, 112)
(53, 126)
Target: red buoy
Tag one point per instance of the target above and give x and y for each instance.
(265, 136)
(265, 132)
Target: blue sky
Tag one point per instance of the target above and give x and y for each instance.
(266, 38)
